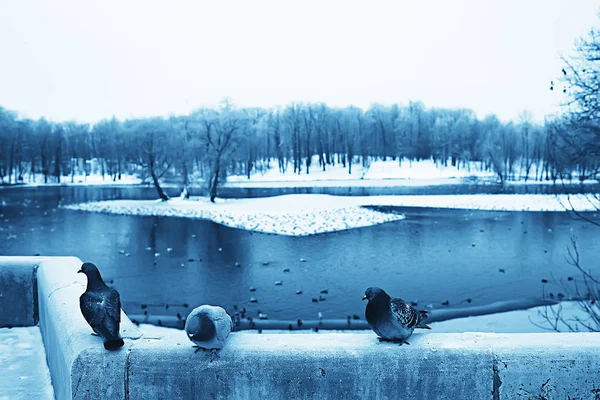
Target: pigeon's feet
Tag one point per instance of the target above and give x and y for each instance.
(399, 341)
(214, 353)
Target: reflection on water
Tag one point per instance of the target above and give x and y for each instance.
(432, 256)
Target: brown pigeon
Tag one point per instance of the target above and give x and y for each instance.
(101, 307)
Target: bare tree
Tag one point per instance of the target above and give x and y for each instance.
(527, 145)
(579, 134)
(293, 121)
(274, 123)
(155, 152)
(220, 130)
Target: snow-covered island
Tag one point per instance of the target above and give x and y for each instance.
(293, 215)
(309, 214)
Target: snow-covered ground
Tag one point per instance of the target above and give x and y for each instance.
(522, 321)
(380, 173)
(425, 170)
(309, 214)
(25, 374)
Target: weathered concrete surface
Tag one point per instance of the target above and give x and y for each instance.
(18, 291)
(332, 365)
(357, 366)
(23, 368)
(548, 365)
(79, 365)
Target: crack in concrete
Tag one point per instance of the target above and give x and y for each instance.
(497, 382)
(77, 387)
(62, 287)
(36, 306)
(126, 382)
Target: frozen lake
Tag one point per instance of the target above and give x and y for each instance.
(432, 256)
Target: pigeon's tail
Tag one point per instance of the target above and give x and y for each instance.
(424, 316)
(113, 344)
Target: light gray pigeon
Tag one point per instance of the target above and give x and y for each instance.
(101, 307)
(208, 327)
(392, 319)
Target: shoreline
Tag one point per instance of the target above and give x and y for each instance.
(318, 182)
(436, 316)
(528, 320)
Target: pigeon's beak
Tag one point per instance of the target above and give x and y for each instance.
(364, 297)
(80, 271)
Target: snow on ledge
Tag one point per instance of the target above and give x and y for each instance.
(310, 214)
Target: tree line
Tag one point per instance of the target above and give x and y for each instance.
(207, 145)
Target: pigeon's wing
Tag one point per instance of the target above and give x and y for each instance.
(113, 304)
(102, 310)
(404, 313)
(112, 319)
(91, 308)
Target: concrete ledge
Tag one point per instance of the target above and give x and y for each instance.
(548, 365)
(330, 365)
(357, 366)
(79, 366)
(18, 291)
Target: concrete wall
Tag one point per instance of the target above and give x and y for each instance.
(357, 366)
(18, 291)
(323, 365)
(79, 366)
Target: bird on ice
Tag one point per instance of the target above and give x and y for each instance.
(208, 327)
(101, 307)
(390, 318)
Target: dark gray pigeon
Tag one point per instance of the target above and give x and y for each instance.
(390, 318)
(101, 307)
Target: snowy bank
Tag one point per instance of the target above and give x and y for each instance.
(386, 173)
(309, 214)
(520, 321)
(493, 202)
(78, 180)
(377, 169)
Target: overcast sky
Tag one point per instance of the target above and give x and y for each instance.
(87, 60)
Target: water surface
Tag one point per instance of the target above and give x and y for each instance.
(433, 256)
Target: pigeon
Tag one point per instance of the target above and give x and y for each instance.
(208, 327)
(391, 318)
(101, 307)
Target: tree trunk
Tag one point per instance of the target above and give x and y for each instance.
(215, 182)
(163, 196)
(72, 168)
